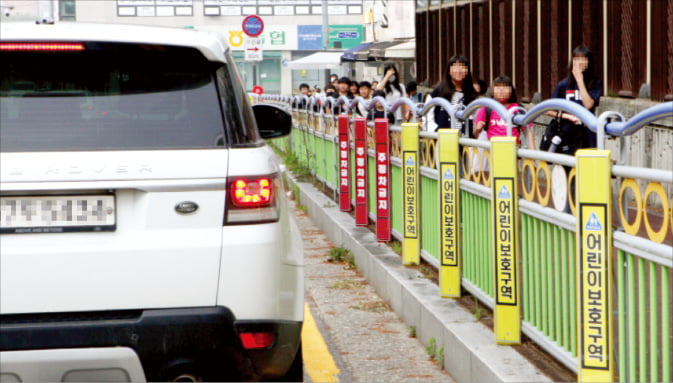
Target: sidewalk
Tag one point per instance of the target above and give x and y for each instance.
(470, 353)
(366, 339)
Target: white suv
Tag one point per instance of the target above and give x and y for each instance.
(143, 221)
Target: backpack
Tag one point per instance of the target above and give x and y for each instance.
(571, 139)
(553, 129)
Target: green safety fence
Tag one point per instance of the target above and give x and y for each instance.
(641, 301)
(477, 253)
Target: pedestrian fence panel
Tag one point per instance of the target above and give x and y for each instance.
(564, 308)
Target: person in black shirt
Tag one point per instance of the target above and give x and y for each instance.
(344, 90)
(583, 87)
(457, 87)
(365, 91)
(304, 90)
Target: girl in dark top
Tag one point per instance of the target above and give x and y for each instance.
(583, 87)
(456, 87)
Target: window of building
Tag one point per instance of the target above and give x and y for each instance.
(66, 10)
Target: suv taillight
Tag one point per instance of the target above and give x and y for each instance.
(252, 199)
(252, 340)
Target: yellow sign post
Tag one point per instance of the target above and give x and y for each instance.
(449, 202)
(505, 242)
(411, 248)
(594, 241)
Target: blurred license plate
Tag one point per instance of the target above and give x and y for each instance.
(57, 214)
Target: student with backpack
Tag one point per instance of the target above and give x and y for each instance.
(492, 122)
(583, 87)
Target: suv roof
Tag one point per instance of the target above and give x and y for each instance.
(211, 44)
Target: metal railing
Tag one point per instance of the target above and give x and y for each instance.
(641, 232)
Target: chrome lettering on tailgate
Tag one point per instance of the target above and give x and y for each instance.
(57, 214)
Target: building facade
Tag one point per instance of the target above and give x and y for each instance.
(292, 28)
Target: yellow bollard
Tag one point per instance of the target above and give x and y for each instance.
(505, 242)
(411, 248)
(449, 203)
(593, 244)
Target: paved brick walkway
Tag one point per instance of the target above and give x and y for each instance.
(367, 339)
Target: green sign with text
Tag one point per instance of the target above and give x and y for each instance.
(345, 36)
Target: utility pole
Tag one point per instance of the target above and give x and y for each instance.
(325, 37)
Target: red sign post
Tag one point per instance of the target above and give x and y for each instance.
(361, 211)
(382, 180)
(344, 164)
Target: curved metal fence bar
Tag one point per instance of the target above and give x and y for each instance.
(437, 101)
(602, 122)
(556, 104)
(382, 102)
(642, 228)
(616, 128)
(640, 120)
(596, 124)
(405, 101)
(483, 102)
(343, 100)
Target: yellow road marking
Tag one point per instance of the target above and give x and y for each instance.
(318, 362)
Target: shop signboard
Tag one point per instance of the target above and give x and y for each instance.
(345, 36)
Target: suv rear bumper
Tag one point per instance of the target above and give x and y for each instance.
(200, 341)
(112, 364)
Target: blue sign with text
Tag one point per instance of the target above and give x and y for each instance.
(309, 37)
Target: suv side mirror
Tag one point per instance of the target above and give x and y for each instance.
(272, 121)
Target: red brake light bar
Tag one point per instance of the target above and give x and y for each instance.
(41, 47)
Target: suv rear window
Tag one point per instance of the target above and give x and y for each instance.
(110, 96)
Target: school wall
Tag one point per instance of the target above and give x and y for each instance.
(531, 41)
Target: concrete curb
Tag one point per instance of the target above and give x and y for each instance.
(470, 352)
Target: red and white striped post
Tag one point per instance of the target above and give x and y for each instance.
(344, 164)
(361, 211)
(382, 180)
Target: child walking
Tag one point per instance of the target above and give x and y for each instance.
(490, 120)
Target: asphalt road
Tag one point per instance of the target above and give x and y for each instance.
(351, 334)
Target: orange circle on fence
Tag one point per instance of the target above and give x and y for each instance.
(528, 166)
(428, 153)
(670, 218)
(659, 235)
(543, 167)
(395, 145)
(629, 228)
(475, 168)
(465, 158)
(571, 193)
(486, 164)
